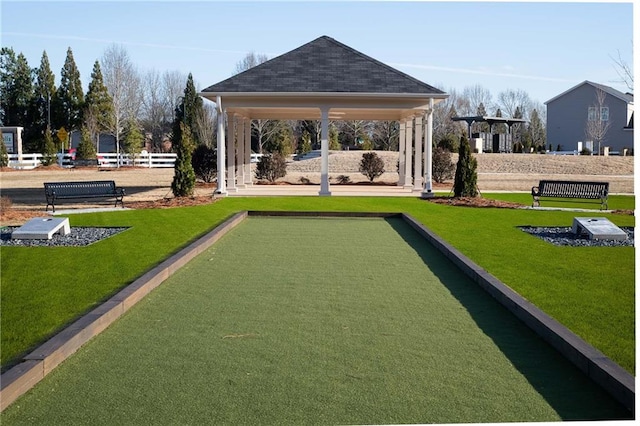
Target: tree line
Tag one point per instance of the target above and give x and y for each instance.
(136, 106)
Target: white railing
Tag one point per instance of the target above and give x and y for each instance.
(150, 160)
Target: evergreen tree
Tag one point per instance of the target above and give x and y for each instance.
(98, 109)
(184, 178)
(536, 131)
(482, 127)
(49, 150)
(466, 178)
(16, 85)
(188, 111)
(86, 150)
(69, 98)
(133, 138)
(44, 91)
(4, 155)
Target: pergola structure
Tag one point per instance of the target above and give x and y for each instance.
(323, 80)
(491, 121)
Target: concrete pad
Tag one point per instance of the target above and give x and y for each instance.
(42, 228)
(598, 228)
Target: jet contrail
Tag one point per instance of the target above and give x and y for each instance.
(497, 74)
(98, 40)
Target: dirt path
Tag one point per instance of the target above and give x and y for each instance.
(503, 172)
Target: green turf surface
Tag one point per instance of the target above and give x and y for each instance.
(590, 290)
(332, 321)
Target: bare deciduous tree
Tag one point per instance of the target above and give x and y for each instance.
(624, 70)
(249, 61)
(386, 135)
(206, 123)
(123, 83)
(598, 122)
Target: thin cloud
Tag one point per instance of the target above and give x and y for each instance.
(485, 72)
(130, 43)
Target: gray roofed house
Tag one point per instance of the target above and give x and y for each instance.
(569, 112)
(323, 80)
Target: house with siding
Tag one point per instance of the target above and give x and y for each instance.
(573, 112)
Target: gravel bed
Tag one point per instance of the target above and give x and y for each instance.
(78, 237)
(563, 236)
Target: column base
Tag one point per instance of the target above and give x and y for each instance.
(427, 194)
(221, 193)
(418, 185)
(408, 186)
(324, 193)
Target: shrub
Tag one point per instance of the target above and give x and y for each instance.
(49, 154)
(271, 167)
(448, 142)
(443, 167)
(304, 180)
(344, 180)
(204, 163)
(86, 150)
(465, 184)
(585, 151)
(4, 156)
(371, 165)
(184, 178)
(5, 203)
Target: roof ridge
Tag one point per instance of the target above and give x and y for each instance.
(377, 62)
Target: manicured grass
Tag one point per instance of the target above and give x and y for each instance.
(589, 290)
(332, 321)
(615, 202)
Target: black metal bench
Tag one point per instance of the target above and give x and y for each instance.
(54, 191)
(571, 189)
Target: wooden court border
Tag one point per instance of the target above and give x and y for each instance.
(593, 363)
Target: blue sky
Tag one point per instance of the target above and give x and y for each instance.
(541, 48)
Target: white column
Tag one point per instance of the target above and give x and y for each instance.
(428, 162)
(248, 176)
(324, 148)
(417, 170)
(240, 148)
(408, 179)
(222, 187)
(231, 153)
(401, 153)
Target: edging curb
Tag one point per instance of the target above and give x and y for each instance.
(19, 379)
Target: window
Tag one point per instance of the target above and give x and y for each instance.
(592, 114)
(604, 114)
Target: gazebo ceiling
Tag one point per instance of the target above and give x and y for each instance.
(324, 73)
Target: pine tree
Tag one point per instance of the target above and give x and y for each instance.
(43, 91)
(4, 155)
(133, 139)
(98, 109)
(184, 178)
(188, 111)
(49, 150)
(16, 95)
(86, 150)
(466, 178)
(69, 98)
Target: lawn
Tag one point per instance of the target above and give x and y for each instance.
(300, 321)
(590, 290)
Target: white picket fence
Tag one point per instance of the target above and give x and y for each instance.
(150, 160)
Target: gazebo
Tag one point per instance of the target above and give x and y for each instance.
(323, 80)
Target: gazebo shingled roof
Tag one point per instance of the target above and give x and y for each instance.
(323, 65)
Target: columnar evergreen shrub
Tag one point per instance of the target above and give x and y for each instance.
(184, 178)
(4, 156)
(271, 167)
(49, 152)
(204, 163)
(371, 165)
(466, 178)
(443, 167)
(86, 150)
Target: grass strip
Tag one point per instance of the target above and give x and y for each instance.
(297, 321)
(590, 289)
